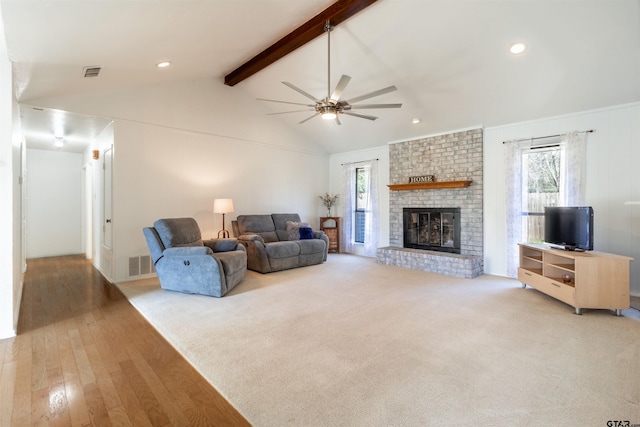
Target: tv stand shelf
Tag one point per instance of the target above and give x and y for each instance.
(580, 279)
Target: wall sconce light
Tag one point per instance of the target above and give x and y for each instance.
(96, 154)
(223, 206)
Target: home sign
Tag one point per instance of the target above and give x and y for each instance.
(422, 178)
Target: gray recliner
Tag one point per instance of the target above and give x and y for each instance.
(186, 263)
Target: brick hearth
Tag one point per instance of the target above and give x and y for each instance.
(467, 266)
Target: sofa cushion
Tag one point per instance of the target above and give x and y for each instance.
(280, 222)
(178, 232)
(261, 225)
(311, 246)
(284, 249)
(306, 233)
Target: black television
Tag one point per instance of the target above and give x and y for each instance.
(569, 227)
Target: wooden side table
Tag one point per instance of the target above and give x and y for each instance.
(331, 227)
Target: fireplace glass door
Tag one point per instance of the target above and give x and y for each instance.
(432, 229)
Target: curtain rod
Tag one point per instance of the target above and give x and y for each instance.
(361, 161)
(549, 136)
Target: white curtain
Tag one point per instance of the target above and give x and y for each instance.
(513, 174)
(371, 206)
(371, 226)
(574, 154)
(349, 193)
(572, 190)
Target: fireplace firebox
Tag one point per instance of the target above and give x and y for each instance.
(434, 229)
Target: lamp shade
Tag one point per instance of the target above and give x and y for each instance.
(222, 206)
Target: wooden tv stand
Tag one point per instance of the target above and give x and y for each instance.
(581, 279)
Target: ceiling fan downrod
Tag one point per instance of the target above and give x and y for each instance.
(328, 111)
(328, 27)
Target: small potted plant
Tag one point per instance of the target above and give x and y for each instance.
(328, 201)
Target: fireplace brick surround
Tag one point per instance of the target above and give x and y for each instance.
(450, 157)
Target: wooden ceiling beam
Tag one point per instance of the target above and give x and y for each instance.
(336, 13)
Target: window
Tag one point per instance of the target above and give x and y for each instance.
(362, 199)
(360, 222)
(540, 188)
(532, 169)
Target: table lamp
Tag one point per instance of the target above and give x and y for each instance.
(223, 206)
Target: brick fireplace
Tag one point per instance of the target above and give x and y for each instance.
(449, 157)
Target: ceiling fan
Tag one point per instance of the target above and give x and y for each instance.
(331, 107)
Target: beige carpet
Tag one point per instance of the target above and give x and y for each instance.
(353, 343)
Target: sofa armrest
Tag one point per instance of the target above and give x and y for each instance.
(322, 236)
(188, 251)
(317, 234)
(251, 238)
(257, 259)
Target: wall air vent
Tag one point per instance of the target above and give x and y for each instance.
(140, 265)
(91, 71)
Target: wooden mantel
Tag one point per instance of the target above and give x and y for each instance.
(429, 185)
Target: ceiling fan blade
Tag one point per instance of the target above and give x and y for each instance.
(362, 116)
(337, 92)
(285, 102)
(308, 118)
(338, 120)
(364, 106)
(297, 89)
(286, 112)
(372, 94)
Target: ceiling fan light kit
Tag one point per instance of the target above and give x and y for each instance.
(331, 107)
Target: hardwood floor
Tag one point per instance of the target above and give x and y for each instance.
(85, 357)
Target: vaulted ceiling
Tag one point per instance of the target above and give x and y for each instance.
(449, 59)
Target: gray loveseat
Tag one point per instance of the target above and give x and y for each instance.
(186, 263)
(270, 246)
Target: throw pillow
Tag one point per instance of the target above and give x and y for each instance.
(306, 233)
(293, 229)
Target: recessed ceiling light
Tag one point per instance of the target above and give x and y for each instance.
(163, 64)
(416, 120)
(517, 48)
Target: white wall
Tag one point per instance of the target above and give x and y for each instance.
(613, 177)
(162, 172)
(54, 188)
(336, 185)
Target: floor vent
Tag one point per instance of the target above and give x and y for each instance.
(91, 71)
(139, 265)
